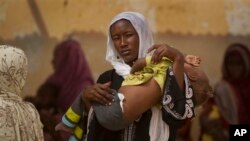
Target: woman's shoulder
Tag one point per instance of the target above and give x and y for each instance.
(108, 72)
(222, 85)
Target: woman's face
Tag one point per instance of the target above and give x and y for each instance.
(235, 66)
(58, 58)
(126, 40)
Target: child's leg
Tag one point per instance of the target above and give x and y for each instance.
(139, 99)
(111, 117)
(121, 113)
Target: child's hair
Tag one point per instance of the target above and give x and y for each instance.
(46, 96)
(201, 89)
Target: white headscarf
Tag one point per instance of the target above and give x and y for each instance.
(145, 41)
(19, 120)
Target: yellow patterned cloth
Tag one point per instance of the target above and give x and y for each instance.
(19, 120)
(155, 71)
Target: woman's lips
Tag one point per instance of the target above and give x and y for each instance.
(125, 52)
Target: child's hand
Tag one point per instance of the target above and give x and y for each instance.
(138, 65)
(61, 127)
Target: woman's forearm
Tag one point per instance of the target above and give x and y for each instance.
(178, 69)
(86, 102)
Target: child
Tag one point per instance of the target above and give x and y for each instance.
(145, 90)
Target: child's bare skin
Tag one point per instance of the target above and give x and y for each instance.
(141, 96)
(149, 94)
(198, 79)
(193, 60)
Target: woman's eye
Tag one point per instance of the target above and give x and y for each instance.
(115, 38)
(129, 35)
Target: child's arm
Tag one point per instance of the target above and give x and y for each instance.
(138, 65)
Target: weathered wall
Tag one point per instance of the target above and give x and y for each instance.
(56, 18)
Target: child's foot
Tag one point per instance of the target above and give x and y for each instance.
(193, 60)
(61, 127)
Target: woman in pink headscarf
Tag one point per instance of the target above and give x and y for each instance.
(71, 72)
(71, 75)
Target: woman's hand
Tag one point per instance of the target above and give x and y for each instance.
(100, 93)
(164, 50)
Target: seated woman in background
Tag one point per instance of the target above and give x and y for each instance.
(230, 104)
(232, 91)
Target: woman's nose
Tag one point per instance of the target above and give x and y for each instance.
(123, 41)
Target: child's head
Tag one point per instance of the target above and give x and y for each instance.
(46, 97)
(200, 83)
